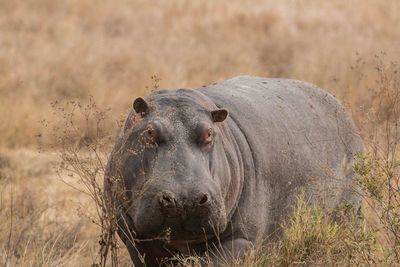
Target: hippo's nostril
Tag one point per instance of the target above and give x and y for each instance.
(204, 199)
(167, 200)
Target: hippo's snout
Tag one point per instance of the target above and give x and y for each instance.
(168, 201)
(189, 215)
(189, 210)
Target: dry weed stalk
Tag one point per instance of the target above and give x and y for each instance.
(83, 145)
(81, 148)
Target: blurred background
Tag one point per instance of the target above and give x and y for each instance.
(108, 52)
(72, 50)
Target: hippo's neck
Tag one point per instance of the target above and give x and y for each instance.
(232, 149)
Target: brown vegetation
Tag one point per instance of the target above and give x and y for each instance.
(59, 58)
(76, 49)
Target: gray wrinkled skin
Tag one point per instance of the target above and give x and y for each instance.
(280, 136)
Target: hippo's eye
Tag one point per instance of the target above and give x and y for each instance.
(206, 136)
(150, 136)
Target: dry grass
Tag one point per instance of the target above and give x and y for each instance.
(105, 52)
(312, 238)
(40, 224)
(46, 221)
(57, 50)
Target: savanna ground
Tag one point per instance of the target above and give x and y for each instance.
(91, 58)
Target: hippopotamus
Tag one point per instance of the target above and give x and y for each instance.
(214, 171)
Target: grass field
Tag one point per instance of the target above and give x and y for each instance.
(54, 54)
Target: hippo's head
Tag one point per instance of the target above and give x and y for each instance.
(176, 161)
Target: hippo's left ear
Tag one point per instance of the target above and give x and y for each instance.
(219, 115)
(140, 106)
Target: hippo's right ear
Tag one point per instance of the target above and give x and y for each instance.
(140, 106)
(219, 115)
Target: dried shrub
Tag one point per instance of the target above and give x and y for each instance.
(82, 146)
(379, 168)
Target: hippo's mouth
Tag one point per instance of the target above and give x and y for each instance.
(190, 234)
(177, 237)
(190, 241)
(183, 244)
(189, 237)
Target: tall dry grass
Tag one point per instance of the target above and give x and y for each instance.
(38, 227)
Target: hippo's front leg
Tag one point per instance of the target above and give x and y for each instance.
(228, 252)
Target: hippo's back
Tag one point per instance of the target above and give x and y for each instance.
(299, 136)
(257, 99)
